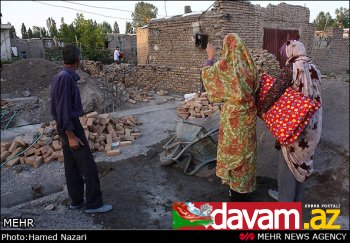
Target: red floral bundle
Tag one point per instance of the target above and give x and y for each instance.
(290, 114)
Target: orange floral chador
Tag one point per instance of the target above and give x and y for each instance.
(234, 81)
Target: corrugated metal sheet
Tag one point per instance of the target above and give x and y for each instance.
(275, 38)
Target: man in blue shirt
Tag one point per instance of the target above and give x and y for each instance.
(79, 164)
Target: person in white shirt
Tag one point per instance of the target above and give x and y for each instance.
(117, 55)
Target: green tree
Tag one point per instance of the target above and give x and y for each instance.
(30, 33)
(12, 30)
(66, 32)
(36, 32)
(143, 13)
(116, 27)
(324, 20)
(51, 27)
(90, 35)
(43, 32)
(342, 17)
(24, 32)
(129, 29)
(106, 27)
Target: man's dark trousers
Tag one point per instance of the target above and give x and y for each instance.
(80, 167)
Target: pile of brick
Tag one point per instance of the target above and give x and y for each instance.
(198, 106)
(104, 134)
(111, 73)
(5, 104)
(118, 74)
(139, 95)
(93, 68)
(265, 62)
(46, 149)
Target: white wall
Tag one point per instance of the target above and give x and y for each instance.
(5, 45)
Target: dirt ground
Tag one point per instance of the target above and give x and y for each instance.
(141, 191)
(26, 83)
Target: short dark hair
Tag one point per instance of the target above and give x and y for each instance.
(71, 54)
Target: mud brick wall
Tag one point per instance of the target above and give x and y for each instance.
(171, 44)
(171, 41)
(335, 58)
(175, 79)
(242, 18)
(142, 46)
(286, 16)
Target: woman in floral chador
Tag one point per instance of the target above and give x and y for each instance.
(297, 165)
(234, 80)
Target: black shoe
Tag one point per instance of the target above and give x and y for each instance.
(238, 197)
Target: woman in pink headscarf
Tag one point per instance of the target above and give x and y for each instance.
(297, 165)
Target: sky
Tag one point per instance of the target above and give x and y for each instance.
(35, 13)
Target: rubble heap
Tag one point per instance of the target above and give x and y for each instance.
(118, 74)
(198, 106)
(31, 76)
(104, 133)
(265, 62)
(139, 95)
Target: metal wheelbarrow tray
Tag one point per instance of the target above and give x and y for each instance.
(194, 143)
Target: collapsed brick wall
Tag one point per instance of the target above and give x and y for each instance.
(175, 79)
(335, 58)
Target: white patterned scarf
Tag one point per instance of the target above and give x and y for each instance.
(307, 80)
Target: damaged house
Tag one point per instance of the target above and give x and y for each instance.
(169, 59)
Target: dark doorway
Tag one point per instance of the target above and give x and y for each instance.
(275, 38)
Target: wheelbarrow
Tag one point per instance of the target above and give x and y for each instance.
(194, 144)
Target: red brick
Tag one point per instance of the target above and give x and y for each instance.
(4, 155)
(37, 162)
(29, 152)
(108, 138)
(56, 145)
(12, 162)
(48, 159)
(125, 143)
(113, 152)
(13, 146)
(91, 114)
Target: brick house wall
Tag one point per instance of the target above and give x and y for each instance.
(334, 58)
(171, 44)
(288, 17)
(142, 45)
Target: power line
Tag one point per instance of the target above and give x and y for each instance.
(107, 16)
(116, 9)
(98, 6)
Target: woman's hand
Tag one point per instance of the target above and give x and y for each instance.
(210, 51)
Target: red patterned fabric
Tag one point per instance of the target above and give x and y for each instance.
(288, 117)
